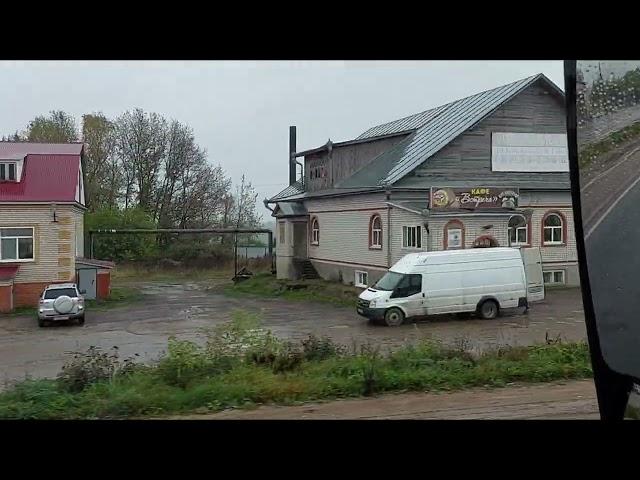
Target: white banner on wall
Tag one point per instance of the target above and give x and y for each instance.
(529, 152)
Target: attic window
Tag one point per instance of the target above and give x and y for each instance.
(8, 171)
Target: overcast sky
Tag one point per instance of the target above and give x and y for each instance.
(241, 111)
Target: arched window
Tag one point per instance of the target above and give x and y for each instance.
(518, 231)
(553, 229)
(485, 241)
(315, 231)
(375, 232)
(453, 235)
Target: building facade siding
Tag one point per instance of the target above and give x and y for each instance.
(344, 221)
(344, 229)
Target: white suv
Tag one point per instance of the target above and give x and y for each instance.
(60, 301)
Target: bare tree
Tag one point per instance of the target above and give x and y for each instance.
(141, 144)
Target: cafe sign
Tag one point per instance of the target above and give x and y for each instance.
(444, 198)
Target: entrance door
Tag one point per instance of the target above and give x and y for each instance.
(87, 283)
(300, 240)
(533, 271)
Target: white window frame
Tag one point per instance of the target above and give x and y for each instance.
(33, 245)
(315, 231)
(517, 229)
(6, 169)
(376, 231)
(560, 228)
(414, 233)
(357, 282)
(553, 275)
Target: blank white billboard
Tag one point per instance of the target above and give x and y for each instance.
(529, 152)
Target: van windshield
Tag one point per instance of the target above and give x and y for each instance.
(389, 281)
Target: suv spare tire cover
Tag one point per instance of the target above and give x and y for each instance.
(63, 304)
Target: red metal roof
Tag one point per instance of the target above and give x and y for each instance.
(8, 272)
(13, 150)
(45, 178)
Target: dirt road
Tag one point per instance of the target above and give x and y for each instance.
(557, 401)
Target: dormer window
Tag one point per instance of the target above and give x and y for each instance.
(8, 171)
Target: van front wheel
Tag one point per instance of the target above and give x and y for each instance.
(394, 317)
(489, 309)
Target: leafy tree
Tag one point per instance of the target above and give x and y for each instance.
(103, 175)
(58, 127)
(145, 171)
(122, 246)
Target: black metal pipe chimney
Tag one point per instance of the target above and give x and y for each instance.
(292, 153)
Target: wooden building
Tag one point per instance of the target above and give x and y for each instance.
(487, 170)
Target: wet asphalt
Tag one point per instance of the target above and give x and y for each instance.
(610, 195)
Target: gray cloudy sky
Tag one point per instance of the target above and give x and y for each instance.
(240, 111)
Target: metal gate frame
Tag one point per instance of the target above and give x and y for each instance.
(180, 231)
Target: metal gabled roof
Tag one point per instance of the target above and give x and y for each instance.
(289, 209)
(10, 150)
(45, 178)
(435, 129)
(405, 124)
(291, 191)
(370, 174)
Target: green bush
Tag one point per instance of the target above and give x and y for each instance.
(183, 363)
(122, 247)
(316, 349)
(94, 366)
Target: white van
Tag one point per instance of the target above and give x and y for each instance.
(482, 280)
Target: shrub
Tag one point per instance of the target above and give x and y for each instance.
(93, 366)
(182, 363)
(316, 349)
(122, 247)
(288, 357)
(370, 369)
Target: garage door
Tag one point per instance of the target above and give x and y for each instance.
(87, 283)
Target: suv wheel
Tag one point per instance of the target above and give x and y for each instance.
(81, 320)
(41, 322)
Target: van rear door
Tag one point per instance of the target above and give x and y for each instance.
(533, 270)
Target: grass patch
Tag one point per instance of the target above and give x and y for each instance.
(125, 275)
(612, 141)
(267, 285)
(120, 296)
(632, 413)
(240, 365)
(22, 312)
